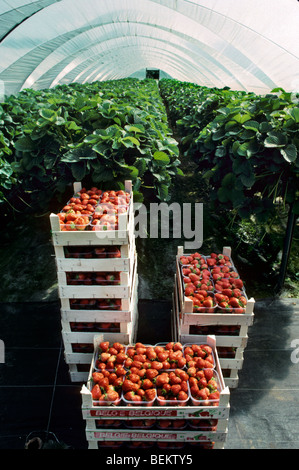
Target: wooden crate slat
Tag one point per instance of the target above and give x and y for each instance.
(113, 316)
(145, 435)
(123, 264)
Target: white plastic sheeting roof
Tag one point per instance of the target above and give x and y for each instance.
(250, 45)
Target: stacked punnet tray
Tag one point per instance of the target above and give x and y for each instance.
(162, 396)
(210, 298)
(94, 244)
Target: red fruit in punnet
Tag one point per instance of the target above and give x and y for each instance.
(112, 395)
(175, 389)
(236, 283)
(188, 351)
(191, 371)
(156, 365)
(141, 372)
(146, 384)
(129, 386)
(234, 302)
(181, 362)
(174, 379)
(202, 382)
(184, 386)
(182, 396)
(208, 302)
(112, 378)
(193, 381)
(214, 395)
(96, 392)
(151, 354)
(207, 349)
(167, 388)
(166, 365)
(182, 374)
(208, 374)
(150, 394)
(140, 357)
(151, 373)
(134, 377)
(163, 356)
(103, 346)
(189, 290)
(141, 350)
(236, 293)
(97, 376)
(137, 364)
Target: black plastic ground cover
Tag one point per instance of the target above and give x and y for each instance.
(36, 394)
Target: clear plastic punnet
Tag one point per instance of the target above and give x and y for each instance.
(208, 394)
(200, 354)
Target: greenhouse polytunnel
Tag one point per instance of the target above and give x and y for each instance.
(149, 201)
(250, 46)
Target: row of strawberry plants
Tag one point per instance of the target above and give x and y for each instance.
(104, 131)
(245, 145)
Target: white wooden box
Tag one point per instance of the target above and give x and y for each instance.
(95, 264)
(122, 236)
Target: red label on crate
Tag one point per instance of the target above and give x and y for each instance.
(133, 413)
(133, 435)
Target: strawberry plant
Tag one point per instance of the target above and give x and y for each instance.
(245, 145)
(101, 132)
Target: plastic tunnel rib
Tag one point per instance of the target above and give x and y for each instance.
(247, 45)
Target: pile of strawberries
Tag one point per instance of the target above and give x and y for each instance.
(95, 304)
(212, 283)
(93, 209)
(143, 374)
(93, 278)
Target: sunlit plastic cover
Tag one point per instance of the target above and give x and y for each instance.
(248, 45)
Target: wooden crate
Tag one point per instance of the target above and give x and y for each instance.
(152, 446)
(93, 434)
(220, 412)
(186, 305)
(99, 292)
(126, 335)
(124, 263)
(122, 236)
(184, 321)
(121, 291)
(84, 341)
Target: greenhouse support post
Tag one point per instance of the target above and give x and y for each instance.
(286, 249)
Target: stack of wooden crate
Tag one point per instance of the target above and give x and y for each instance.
(157, 426)
(90, 305)
(230, 329)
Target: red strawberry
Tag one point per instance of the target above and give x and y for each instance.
(162, 379)
(95, 392)
(182, 396)
(104, 345)
(150, 394)
(208, 374)
(146, 384)
(97, 376)
(151, 373)
(175, 389)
